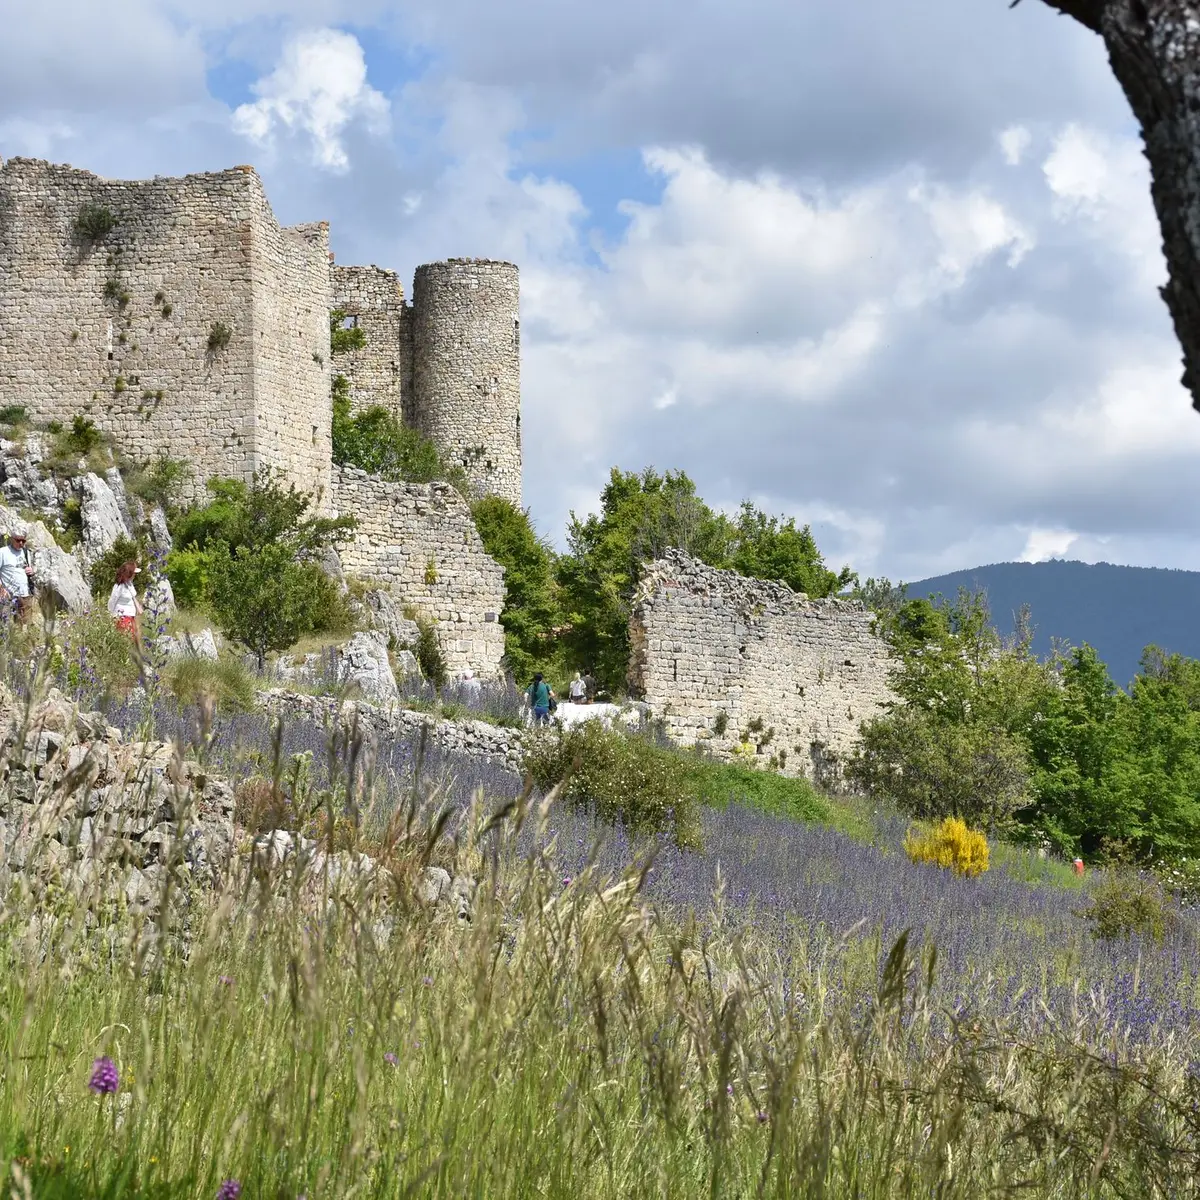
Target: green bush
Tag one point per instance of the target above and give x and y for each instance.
(160, 481)
(94, 222)
(263, 597)
(429, 653)
(14, 415)
(378, 442)
(1124, 905)
(625, 777)
(100, 655)
(82, 438)
(226, 682)
(188, 572)
(105, 568)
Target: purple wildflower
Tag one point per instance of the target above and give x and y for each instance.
(231, 1189)
(104, 1080)
(391, 1059)
(225, 980)
(763, 1117)
(428, 981)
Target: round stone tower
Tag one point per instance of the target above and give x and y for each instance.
(467, 368)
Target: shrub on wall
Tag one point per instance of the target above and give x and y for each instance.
(94, 222)
(378, 442)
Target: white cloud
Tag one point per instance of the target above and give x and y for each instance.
(1043, 544)
(319, 87)
(1103, 183)
(1014, 141)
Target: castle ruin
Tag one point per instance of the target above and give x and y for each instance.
(749, 667)
(186, 322)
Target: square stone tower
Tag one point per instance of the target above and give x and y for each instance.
(176, 313)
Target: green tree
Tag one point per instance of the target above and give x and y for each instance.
(531, 601)
(956, 743)
(262, 597)
(261, 513)
(767, 547)
(263, 519)
(1075, 746)
(641, 515)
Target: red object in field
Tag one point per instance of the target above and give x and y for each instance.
(1078, 865)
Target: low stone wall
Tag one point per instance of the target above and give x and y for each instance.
(751, 667)
(477, 738)
(419, 541)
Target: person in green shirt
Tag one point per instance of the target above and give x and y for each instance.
(540, 696)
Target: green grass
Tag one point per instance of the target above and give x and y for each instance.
(567, 1042)
(719, 784)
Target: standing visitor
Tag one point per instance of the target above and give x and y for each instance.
(589, 686)
(577, 690)
(16, 576)
(123, 602)
(540, 697)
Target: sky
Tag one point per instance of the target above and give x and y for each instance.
(890, 268)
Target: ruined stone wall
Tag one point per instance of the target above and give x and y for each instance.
(419, 540)
(706, 643)
(467, 370)
(374, 300)
(119, 327)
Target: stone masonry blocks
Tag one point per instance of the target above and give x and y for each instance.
(419, 541)
(466, 368)
(120, 327)
(706, 642)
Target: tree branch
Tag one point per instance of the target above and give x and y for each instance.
(1086, 12)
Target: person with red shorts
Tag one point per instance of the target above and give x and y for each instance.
(123, 603)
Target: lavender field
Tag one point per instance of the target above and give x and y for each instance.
(1009, 944)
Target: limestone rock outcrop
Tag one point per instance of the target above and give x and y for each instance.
(363, 663)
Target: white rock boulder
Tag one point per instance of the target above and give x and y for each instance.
(363, 662)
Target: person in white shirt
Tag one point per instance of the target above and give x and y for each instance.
(123, 602)
(577, 690)
(16, 576)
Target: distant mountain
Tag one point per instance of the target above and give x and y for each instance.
(1118, 610)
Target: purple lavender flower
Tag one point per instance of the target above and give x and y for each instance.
(231, 1189)
(391, 1059)
(104, 1080)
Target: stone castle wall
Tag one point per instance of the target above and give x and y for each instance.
(706, 642)
(119, 328)
(467, 368)
(419, 540)
(373, 299)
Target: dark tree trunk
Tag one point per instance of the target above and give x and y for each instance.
(1154, 48)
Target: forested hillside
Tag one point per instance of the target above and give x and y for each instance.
(1118, 610)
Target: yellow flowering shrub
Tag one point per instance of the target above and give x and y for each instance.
(949, 844)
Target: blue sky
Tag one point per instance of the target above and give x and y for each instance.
(889, 268)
